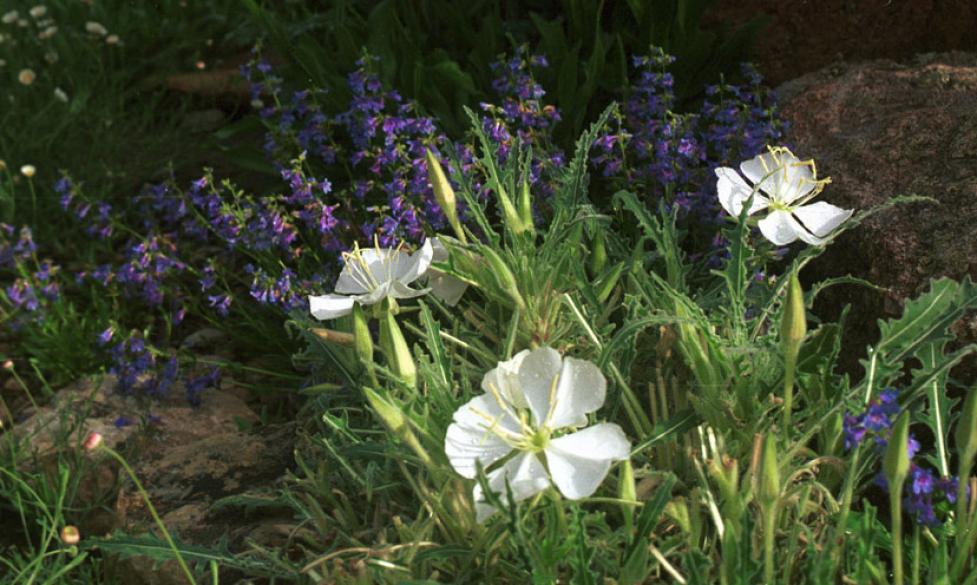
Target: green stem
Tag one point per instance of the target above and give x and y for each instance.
(916, 555)
(769, 534)
(961, 516)
(962, 554)
(895, 511)
(153, 513)
(790, 359)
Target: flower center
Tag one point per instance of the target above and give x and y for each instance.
(362, 273)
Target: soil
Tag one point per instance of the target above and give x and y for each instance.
(805, 35)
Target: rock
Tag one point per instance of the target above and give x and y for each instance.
(806, 35)
(204, 338)
(203, 121)
(187, 458)
(881, 129)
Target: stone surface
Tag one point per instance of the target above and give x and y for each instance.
(805, 35)
(187, 458)
(881, 129)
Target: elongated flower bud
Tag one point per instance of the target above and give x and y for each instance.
(443, 193)
(503, 275)
(397, 423)
(967, 428)
(793, 325)
(526, 207)
(362, 338)
(333, 336)
(895, 464)
(769, 484)
(509, 213)
(395, 347)
(598, 253)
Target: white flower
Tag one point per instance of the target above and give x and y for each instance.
(444, 286)
(60, 95)
(28, 171)
(10, 17)
(112, 40)
(780, 181)
(26, 76)
(96, 28)
(47, 33)
(371, 275)
(528, 400)
(38, 11)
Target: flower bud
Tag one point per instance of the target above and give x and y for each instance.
(28, 171)
(598, 252)
(526, 207)
(333, 336)
(504, 276)
(361, 335)
(8, 365)
(399, 357)
(768, 488)
(92, 441)
(443, 193)
(726, 473)
(966, 433)
(509, 213)
(793, 324)
(397, 423)
(70, 535)
(895, 463)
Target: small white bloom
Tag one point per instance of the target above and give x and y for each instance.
(371, 275)
(26, 76)
(528, 401)
(23, 23)
(38, 11)
(10, 17)
(96, 28)
(780, 181)
(47, 33)
(60, 95)
(112, 40)
(444, 286)
(28, 171)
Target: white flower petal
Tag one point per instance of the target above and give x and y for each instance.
(330, 306)
(414, 265)
(446, 287)
(733, 193)
(784, 177)
(440, 253)
(465, 445)
(354, 279)
(376, 295)
(484, 414)
(780, 228)
(526, 477)
(580, 391)
(821, 218)
(579, 462)
(536, 375)
(504, 379)
(399, 290)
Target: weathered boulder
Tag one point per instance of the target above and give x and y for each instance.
(881, 129)
(188, 458)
